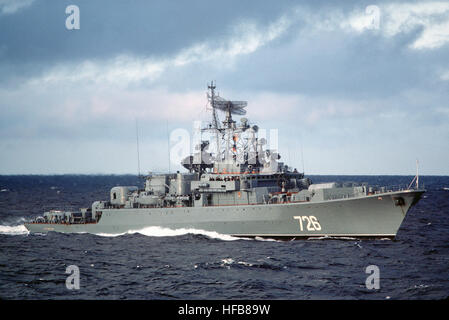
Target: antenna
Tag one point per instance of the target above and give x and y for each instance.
(302, 156)
(168, 146)
(229, 108)
(416, 178)
(138, 154)
(212, 87)
(417, 174)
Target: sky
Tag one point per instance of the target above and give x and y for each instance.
(354, 87)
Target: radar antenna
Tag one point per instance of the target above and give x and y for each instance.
(229, 107)
(234, 107)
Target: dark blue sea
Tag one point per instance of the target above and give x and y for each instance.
(161, 264)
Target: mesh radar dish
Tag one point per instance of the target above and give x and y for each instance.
(234, 107)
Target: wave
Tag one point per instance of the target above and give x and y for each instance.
(331, 238)
(153, 231)
(13, 230)
(166, 232)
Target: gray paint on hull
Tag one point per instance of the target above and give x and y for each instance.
(369, 216)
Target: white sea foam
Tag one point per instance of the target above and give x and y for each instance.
(331, 238)
(153, 231)
(166, 232)
(319, 238)
(247, 264)
(265, 239)
(13, 230)
(227, 261)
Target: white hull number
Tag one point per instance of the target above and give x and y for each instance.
(310, 222)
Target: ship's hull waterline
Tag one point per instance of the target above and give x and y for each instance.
(375, 216)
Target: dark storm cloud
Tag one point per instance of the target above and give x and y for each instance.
(38, 34)
(309, 68)
(34, 37)
(337, 64)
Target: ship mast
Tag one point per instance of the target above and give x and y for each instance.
(225, 133)
(214, 116)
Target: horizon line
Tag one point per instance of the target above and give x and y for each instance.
(159, 172)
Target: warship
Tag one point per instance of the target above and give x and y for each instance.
(240, 188)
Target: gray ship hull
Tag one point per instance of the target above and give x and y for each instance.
(371, 216)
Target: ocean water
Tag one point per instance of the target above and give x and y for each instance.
(156, 263)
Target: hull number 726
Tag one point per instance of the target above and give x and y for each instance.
(309, 222)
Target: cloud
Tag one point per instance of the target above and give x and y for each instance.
(431, 18)
(307, 109)
(79, 113)
(445, 76)
(123, 69)
(442, 111)
(360, 21)
(246, 37)
(328, 72)
(12, 6)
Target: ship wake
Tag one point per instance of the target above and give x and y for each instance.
(155, 231)
(13, 230)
